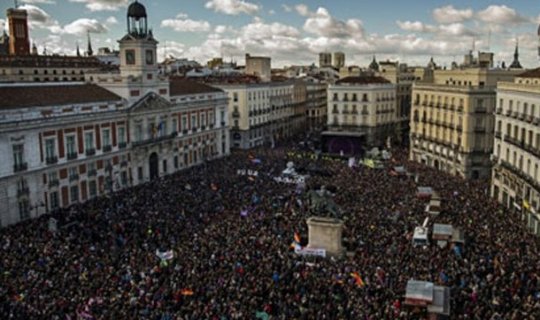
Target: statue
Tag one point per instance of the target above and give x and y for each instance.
(322, 204)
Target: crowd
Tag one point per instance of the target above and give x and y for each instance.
(231, 237)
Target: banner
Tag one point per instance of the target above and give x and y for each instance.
(310, 252)
(167, 255)
(291, 180)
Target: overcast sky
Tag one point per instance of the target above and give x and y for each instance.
(293, 32)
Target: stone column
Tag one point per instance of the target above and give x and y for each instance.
(325, 233)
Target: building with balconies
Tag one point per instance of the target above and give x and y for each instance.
(516, 153)
(362, 106)
(452, 120)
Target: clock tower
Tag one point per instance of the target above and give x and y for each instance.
(138, 48)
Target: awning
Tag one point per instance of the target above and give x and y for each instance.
(441, 301)
(419, 293)
(442, 231)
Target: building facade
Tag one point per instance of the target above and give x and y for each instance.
(66, 143)
(453, 122)
(316, 108)
(265, 112)
(259, 67)
(403, 77)
(516, 153)
(325, 60)
(365, 105)
(338, 60)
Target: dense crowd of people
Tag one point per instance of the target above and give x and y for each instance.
(230, 236)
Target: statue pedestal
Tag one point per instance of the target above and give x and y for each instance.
(325, 233)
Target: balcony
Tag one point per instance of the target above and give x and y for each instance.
(23, 192)
(185, 131)
(515, 114)
(335, 111)
(223, 123)
(481, 110)
(536, 121)
(52, 160)
(236, 114)
(124, 163)
(73, 177)
(54, 183)
(499, 111)
(365, 113)
(498, 134)
(203, 128)
(72, 156)
(460, 109)
(90, 152)
(18, 167)
(92, 173)
(508, 113)
(122, 145)
(107, 148)
(479, 129)
(521, 116)
(459, 128)
(157, 139)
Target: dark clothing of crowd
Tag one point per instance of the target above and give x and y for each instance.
(102, 263)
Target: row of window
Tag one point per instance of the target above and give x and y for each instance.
(89, 142)
(54, 72)
(525, 108)
(521, 134)
(517, 161)
(263, 94)
(161, 128)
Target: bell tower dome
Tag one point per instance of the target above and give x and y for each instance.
(138, 48)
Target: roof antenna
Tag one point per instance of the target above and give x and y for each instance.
(16, 3)
(489, 40)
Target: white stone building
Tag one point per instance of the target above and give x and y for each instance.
(65, 143)
(366, 105)
(516, 178)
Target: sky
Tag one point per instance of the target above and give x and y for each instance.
(294, 32)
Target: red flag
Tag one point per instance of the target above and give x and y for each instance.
(297, 238)
(357, 279)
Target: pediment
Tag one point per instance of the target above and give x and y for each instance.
(149, 102)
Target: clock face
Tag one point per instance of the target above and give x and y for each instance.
(149, 57)
(130, 57)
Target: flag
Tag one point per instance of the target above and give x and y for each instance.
(256, 161)
(297, 238)
(251, 178)
(357, 279)
(526, 205)
(186, 292)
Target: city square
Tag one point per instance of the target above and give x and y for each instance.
(243, 160)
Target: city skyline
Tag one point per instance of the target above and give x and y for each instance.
(294, 32)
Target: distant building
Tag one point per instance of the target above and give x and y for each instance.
(259, 66)
(108, 56)
(364, 108)
(316, 109)
(338, 60)
(516, 152)
(325, 59)
(19, 41)
(215, 63)
(403, 77)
